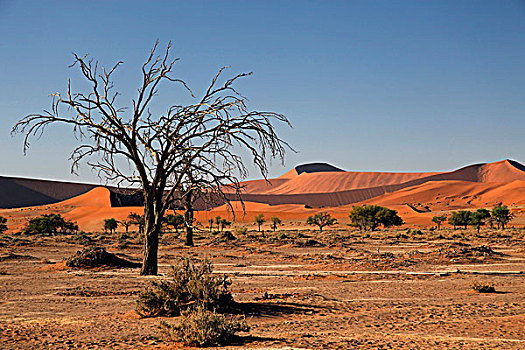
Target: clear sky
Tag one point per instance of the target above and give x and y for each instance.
(368, 85)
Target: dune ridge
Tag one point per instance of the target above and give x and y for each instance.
(331, 189)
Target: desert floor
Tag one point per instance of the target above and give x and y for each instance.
(300, 290)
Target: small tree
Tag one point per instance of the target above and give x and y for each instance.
(321, 219)
(465, 217)
(438, 220)
(259, 220)
(137, 220)
(477, 218)
(218, 220)
(3, 226)
(210, 221)
(275, 222)
(371, 216)
(502, 215)
(460, 218)
(224, 223)
(126, 223)
(50, 224)
(174, 221)
(388, 217)
(110, 225)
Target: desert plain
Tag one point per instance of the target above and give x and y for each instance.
(408, 287)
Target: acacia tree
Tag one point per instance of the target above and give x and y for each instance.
(438, 219)
(477, 218)
(161, 150)
(259, 220)
(321, 219)
(110, 225)
(137, 220)
(501, 215)
(275, 222)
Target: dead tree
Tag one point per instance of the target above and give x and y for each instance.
(161, 150)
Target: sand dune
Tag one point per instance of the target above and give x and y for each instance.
(301, 192)
(336, 188)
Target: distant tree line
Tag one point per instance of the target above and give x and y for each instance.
(500, 216)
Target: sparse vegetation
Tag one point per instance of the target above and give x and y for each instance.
(259, 220)
(477, 218)
(175, 221)
(438, 219)
(110, 225)
(321, 220)
(371, 216)
(50, 224)
(501, 215)
(187, 285)
(3, 224)
(482, 287)
(137, 220)
(241, 230)
(201, 327)
(275, 222)
(224, 223)
(96, 257)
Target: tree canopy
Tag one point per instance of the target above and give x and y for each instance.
(438, 219)
(259, 220)
(371, 216)
(110, 225)
(321, 220)
(50, 224)
(199, 146)
(501, 215)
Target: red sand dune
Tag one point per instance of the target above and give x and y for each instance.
(306, 190)
(336, 188)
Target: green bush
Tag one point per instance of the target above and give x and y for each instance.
(50, 224)
(201, 327)
(187, 285)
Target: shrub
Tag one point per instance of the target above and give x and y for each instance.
(188, 285)
(201, 327)
(96, 256)
(281, 235)
(482, 287)
(241, 230)
(414, 231)
(3, 226)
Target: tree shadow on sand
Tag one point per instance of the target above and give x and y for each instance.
(268, 309)
(272, 309)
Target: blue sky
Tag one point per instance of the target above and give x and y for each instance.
(367, 85)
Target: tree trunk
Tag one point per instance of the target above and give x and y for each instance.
(151, 247)
(153, 221)
(188, 218)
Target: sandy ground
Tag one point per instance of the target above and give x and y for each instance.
(339, 291)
